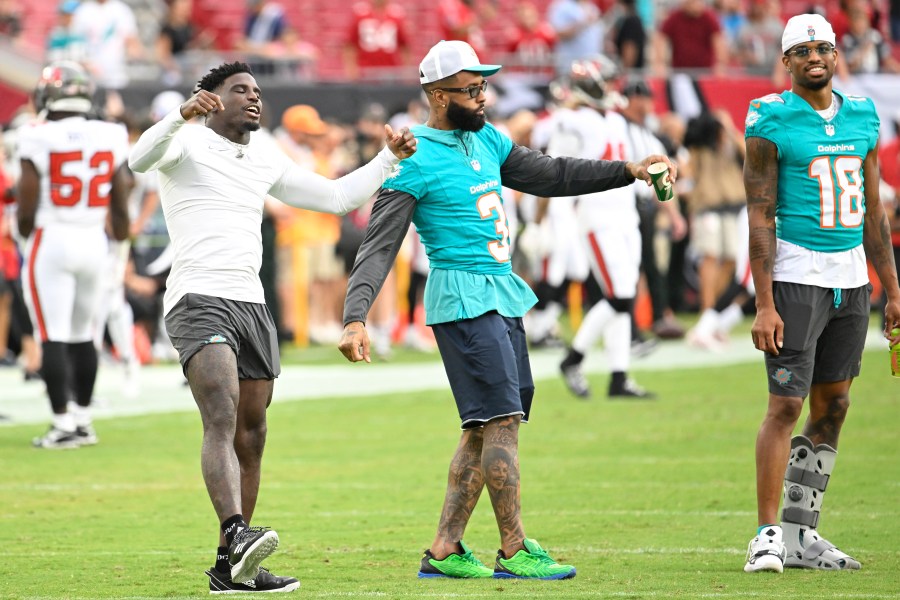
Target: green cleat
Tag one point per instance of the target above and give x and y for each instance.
(531, 563)
(459, 566)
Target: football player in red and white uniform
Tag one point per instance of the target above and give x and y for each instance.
(73, 177)
(609, 224)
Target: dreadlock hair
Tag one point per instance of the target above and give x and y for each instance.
(218, 75)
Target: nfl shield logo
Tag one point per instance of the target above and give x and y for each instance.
(476, 165)
(829, 129)
(811, 32)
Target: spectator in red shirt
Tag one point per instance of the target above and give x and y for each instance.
(531, 41)
(376, 40)
(692, 36)
(461, 20)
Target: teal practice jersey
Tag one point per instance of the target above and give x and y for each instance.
(455, 178)
(821, 188)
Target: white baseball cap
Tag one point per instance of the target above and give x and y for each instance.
(806, 28)
(448, 58)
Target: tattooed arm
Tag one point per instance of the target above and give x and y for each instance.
(761, 185)
(877, 242)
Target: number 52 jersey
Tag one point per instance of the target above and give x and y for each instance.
(821, 188)
(76, 159)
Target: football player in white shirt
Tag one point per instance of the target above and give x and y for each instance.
(213, 181)
(73, 175)
(608, 222)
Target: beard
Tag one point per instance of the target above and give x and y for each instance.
(816, 85)
(463, 118)
(250, 126)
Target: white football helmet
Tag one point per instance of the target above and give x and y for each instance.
(588, 83)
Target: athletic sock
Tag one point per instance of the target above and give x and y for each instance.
(730, 317)
(618, 380)
(231, 526)
(81, 415)
(64, 421)
(55, 371)
(222, 565)
(761, 527)
(574, 357)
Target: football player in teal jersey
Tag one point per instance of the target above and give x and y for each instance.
(811, 176)
(473, 300)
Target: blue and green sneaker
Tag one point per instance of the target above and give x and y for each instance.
(532, 562)
(459, 566)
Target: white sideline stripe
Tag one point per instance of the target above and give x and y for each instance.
(162, 389)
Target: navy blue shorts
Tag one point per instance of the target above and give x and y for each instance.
(823, 343)
(197, 320)
(486, 359)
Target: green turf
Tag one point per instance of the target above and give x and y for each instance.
(646, 499)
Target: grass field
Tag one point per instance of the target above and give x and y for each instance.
(647, 499)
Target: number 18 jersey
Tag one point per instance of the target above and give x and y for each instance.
(821, 188)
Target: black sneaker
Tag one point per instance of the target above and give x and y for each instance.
(250, 546)
(221, 583)
(630, 391)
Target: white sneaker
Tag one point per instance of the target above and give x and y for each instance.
(702, 340)
(766, 551)
(56, 439)
(86, 435)
(575, 380)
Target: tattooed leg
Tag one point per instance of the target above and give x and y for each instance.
(464, 484)
(500, 464)
(828, 404)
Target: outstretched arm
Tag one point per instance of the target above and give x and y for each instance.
(388, 224)
(761, 185)
(533, 172)
(877, 242)
(303, 189)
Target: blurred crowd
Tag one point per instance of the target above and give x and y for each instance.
(689, 252)
(177, 40)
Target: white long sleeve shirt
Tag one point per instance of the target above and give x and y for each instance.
(212, 192)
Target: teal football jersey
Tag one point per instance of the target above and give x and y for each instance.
(821, 188)
(455, 178)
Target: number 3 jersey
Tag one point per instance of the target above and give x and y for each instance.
(821, 185)
(460, 218)
(76, 159)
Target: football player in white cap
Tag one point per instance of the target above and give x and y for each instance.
(814, 219)
(451, 189)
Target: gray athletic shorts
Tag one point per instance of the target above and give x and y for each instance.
(822, 343)
(247, 327)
